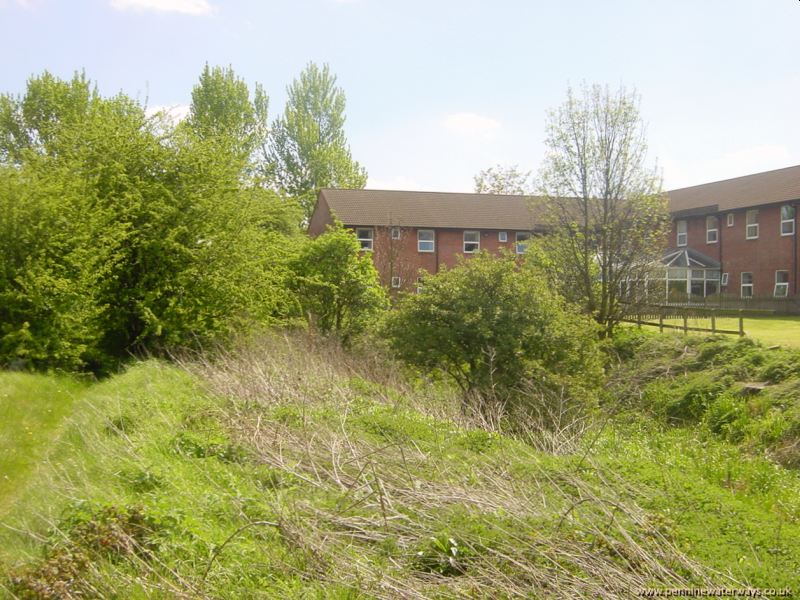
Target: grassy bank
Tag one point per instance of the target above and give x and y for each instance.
(292, 469)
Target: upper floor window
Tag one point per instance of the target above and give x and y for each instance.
(364, 236)
(747, 285)
(781, 284)
(502, 236)
(425, 240)
(395, 282)
(712, 230)
(683, 236)
(751, 232)
(523, 237)
(730, 219)
(787, 219)
(472, 241)
(395, 233)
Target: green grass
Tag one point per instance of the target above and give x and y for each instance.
(292, 471)
(32, 409)
(781, 331)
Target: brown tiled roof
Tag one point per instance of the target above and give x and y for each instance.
(781, 185)
(430, 209)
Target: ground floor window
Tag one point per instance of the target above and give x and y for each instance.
(781, 284)
(472, 241)
(395, 282)
(523, 237)
(747, 285)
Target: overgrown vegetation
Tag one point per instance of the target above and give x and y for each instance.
(736, 389)
(125, 233)
(293, 468)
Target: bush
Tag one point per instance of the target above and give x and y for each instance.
(498, 331)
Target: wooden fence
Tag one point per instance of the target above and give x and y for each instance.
(657, 320)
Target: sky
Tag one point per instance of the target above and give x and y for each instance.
(438, 90)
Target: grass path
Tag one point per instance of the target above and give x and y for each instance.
(32, 408)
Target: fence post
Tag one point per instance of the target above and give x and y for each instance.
(713, 322)
(741, 325)
(638, 320)
(685, 323)
(661, 321)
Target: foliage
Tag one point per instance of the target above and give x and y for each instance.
(121, 233)
(337, 285)
(308, 149)
(496, 329)
(503, 180)
(608, 213)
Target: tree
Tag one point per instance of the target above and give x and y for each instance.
(503, 180)
(308, 149)
(608, 212)
(222, 111)
(337, 284)
(496, 330)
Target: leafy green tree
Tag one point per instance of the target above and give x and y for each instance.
(223, 111)
(122, 236)
(608, 212)
(497, 330)
(337, 285)
(503, 180)
(308, 149)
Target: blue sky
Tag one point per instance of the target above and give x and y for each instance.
(438, 90)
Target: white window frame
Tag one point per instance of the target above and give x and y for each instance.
(789, 221)
(365, 242)
(751, 234)
(524, 239)
(744, 285)
(711, 219)
(431, 241)
(419, 284)
(679, 233)
(784, 285)
(395, 233)
(502, 236)
(395, 281)
(724, 280)
(477, 242)
(730, 219)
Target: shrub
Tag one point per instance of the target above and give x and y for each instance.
(497, 331)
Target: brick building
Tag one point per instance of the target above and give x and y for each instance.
(732, 238)
(744, 233)
(410, 231)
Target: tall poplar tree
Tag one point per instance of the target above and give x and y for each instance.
(308, 149)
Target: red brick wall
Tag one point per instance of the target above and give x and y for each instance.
(762, 256)
(400, 258)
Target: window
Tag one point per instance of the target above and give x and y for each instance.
(680, 227)
(724, 279)
(781, 284)
(419, 285)
(425, 240)
(395, 282)
(523, 237)
(787, 220)
(712, 230)
(752, 225)
(730, 219)
(395, 233)
(472, 241)
(502, 236)
(364, 236)
(747, 285)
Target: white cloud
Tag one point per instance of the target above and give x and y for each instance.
(173, 112)
(471, 125)
(187, 7)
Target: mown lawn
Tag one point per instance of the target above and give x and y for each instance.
(32, 407)
(771, 331)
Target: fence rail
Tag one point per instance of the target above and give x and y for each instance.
(645, 319)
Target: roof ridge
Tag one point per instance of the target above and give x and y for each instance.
(771, 171)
